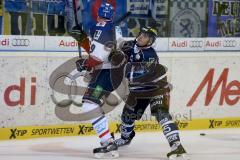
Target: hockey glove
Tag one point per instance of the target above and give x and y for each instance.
(78, 34)
(81, 65)
(116, 57)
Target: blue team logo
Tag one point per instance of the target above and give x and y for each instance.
(186, 23)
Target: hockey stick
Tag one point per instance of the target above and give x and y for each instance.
(114, 45)
(118, 21)
(77, 24)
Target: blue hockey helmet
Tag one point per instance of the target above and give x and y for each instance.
(106, 11)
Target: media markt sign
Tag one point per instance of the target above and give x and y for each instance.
(186, 23)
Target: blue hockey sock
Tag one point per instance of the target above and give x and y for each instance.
(170, 130)
(126, 129)
(127, 124)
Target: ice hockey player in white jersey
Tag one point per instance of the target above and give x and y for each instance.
(102, 38)
(145, 74)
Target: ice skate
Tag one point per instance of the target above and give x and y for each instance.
(124, 141)
(178, 153)
(108, 150)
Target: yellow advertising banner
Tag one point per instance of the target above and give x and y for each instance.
(86, 129)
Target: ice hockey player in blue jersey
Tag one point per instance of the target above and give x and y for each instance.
(100, 84)
(144, 74)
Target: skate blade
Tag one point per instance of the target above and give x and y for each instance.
(179, 157)
(111, 154)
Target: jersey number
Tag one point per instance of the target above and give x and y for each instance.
(97, 34)
(92, 48)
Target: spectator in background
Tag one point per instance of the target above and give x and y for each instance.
(56, 8)
(16, 10)
(0, 17)
(27, 17)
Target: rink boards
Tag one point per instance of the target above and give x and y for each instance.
(206, 94)
(86, 129)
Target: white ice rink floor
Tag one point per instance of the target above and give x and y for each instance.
(220, 144)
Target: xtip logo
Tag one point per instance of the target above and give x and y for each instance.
(118, 128)
(84, 129)
(230, 92)
(182, 125)
(214, 123)
(16, 133)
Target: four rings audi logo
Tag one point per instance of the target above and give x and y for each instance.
(229, 43)
(196, 44)
(20, 42)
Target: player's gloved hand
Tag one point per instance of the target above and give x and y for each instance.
(116, 57)
(78, 34)
(126, 46)
(81, 65)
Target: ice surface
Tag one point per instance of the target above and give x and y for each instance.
(218, 144)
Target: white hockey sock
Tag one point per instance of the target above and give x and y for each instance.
(100, 124)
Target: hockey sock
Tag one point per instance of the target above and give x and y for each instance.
(170, 129)
(127, 124)
(126, 129)
(100, 124)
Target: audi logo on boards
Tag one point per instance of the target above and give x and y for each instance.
(196, 44)
(229, 43)
(20, 42)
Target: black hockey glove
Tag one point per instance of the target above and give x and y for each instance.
(81, 65)
(126, 46)
(78, 34)
(116, 57)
